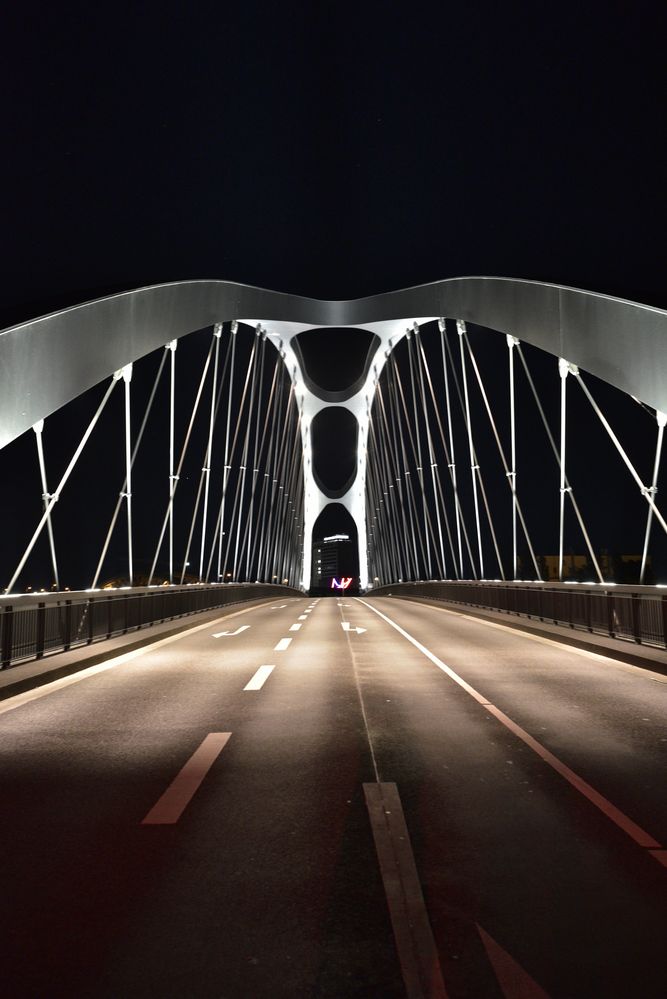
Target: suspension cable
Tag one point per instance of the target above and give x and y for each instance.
(119, 501)
(55, 496)
(249, 381)
(127, 379)
(435, 482)
(474, 467)
(217, 333)
(646, 493)
(451, 458)
(46, 496)
(390, 450)
(220, 522)
(204, 475)
(569, 490)
(416, 454)
(451, 464)
(661, 419)
(510, 479)
(171, 347)
(512, 342)
(257, 466)
(263, 518)
(168, 518)
(247, 532)
(563, 370)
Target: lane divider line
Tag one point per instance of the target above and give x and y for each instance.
(417, 952)
(283, 644)
(295, 627)
(634, 831)
(302, 617)
(83, 674)
(169, 808)
(260, 678)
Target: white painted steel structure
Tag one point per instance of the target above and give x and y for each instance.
(49, 361)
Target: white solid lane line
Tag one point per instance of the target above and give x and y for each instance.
(178, 795)
(295, 627)
(634, 831)
(231, 634)
(542, 640)
(260, 678)
(283, 644)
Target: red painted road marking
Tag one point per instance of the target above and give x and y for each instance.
(178, 795)
(622, 821)
(417, 953)
(514, 981)
(639, 835)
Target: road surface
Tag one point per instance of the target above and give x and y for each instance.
(332, 798)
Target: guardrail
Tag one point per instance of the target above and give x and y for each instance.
(634, 614)
(35, 625)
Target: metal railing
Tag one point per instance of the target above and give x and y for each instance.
(36, 625)
(634, 614)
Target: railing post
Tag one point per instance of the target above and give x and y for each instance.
(67, 636)
(589, 611)
(39, 631)
(610, 616)
(636, 618)
(91, 629)
(109, 615)
(663, 608)
(6, 636)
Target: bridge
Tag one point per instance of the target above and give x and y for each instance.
(222, 778)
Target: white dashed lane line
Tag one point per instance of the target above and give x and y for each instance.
(295, 627)
(178, 795)
(260, 678)
(283, 644)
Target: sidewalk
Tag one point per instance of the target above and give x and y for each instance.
(643, 656)
(37, 672)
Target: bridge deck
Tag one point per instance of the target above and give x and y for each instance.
(374, 825)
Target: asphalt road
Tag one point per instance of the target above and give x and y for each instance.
(410, 802)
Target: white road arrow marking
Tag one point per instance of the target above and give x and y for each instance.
(346, 626)
(230, 634)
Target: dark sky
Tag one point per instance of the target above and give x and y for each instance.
(328, 150)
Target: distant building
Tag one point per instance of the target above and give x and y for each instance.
(333, 558)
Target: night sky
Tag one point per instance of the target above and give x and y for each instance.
(330, 151)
